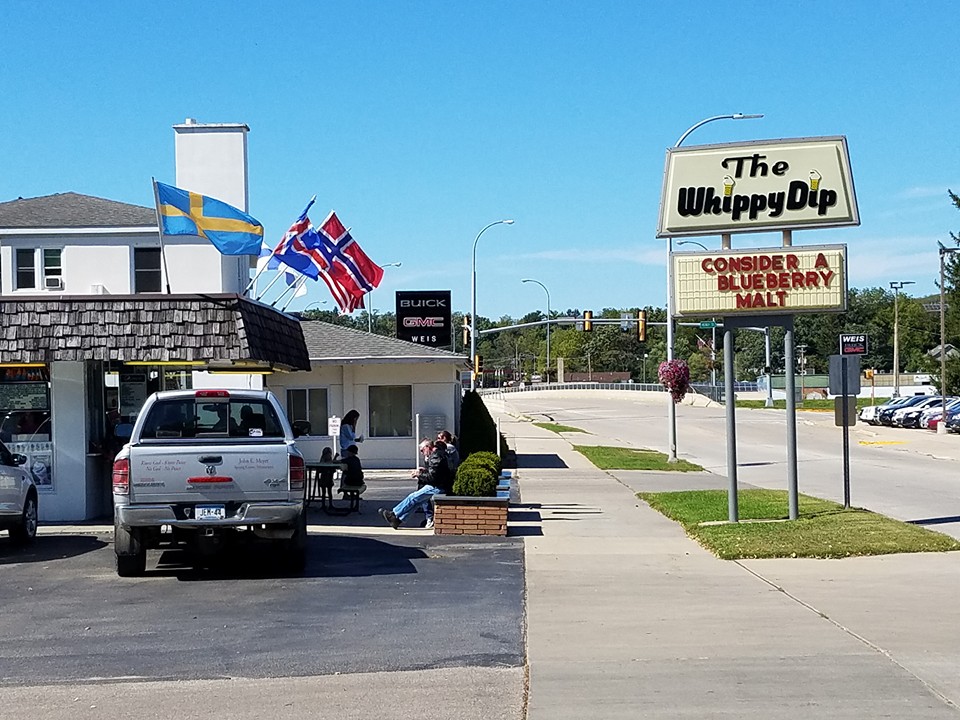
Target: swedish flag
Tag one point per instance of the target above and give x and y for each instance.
(232, 231)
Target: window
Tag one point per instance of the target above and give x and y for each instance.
(309, 405)
(391, 411)
(199, 418)
(146, 270)
(52, 267)
(26, 270)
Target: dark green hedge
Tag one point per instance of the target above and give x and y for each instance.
(475, 479)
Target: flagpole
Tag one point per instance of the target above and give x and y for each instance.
(267, 288)
(260, 271)
(163, 255)
(281, 296)
(303, 281)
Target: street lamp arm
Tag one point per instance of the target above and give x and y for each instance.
(473, 300)
(693, 242)
(735, 116)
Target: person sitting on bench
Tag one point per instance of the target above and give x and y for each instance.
(351, 480)
(433, 478)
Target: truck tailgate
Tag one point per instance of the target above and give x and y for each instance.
(247, 472)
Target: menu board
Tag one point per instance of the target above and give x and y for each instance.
(24, 396)
(133, 392)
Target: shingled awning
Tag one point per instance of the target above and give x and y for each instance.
(221, 330)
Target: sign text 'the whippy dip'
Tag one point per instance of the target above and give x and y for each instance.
(782, 281)
(757, 186)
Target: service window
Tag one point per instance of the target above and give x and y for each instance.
(391, 411)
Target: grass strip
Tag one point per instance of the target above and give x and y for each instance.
(557, 428)
(618, 458)
(823, 530)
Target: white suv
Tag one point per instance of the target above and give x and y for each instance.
(18, 497)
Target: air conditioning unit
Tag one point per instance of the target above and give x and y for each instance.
(53, 283)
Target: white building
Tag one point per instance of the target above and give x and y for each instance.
(93, 320)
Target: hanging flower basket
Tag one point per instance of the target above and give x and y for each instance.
(674, 375)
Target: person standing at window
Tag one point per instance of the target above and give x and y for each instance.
(348, 431)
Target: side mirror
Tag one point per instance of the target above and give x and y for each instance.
(19, 459)
(123, 431)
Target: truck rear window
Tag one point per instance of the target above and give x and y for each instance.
(211, 418)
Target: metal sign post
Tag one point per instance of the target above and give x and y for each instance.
(845, 383)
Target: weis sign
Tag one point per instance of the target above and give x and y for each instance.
(776, 280)
(748, 187)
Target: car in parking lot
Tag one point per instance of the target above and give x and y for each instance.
(885, 414)
(932, 414)
(18, 497)
(909, 416)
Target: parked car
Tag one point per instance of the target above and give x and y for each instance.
(932, 414)
(909, 417)
(18, 497)
(885, 416)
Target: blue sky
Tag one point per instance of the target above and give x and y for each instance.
(421, 122)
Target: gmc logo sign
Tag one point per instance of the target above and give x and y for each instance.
(413, 322)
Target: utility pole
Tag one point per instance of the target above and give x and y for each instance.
(897, 286)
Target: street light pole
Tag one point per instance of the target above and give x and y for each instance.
(473, 304)
(528, 280)
(671, 406)
(942, 425)
(897, 286)
(370, 298)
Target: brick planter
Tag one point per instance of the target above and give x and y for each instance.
(459, 515)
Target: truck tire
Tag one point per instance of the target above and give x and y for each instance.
(130, 550)
(296, 546)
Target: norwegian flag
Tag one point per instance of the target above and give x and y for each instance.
(345, 262)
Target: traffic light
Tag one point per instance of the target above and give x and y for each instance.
(587, 320)
(478, 364)
(868, 373)
(642, 325)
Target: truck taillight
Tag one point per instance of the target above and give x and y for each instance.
(121, 477)
(211, 394)
(298, 472)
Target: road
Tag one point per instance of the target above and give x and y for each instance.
(907, 474)
(422, 625)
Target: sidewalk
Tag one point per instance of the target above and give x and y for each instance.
(628, 618)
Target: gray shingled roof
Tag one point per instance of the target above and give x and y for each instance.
(221, 329)
(335, 344)
(72, 210)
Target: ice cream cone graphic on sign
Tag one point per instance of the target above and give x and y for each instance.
(815, 180)
(728, 184)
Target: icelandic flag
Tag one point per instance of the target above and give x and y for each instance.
(231, 231)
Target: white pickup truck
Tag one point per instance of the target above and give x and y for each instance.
(204, 468)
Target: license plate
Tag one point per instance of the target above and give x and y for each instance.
(210, 512)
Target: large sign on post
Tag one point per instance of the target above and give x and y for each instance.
(760, 281)
(757, 186)
(423, 317)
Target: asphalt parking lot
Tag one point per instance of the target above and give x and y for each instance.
(365, 603)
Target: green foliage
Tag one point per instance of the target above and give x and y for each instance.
(475, 479)
(824, 529)
(485, 459)
(618, 458)
(478, 431)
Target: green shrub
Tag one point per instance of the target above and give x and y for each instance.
(475, 480)
(478, 431)
(486, 459)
